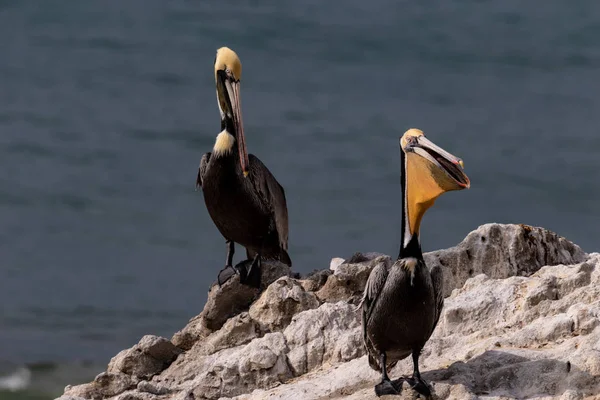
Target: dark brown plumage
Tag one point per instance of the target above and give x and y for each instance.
(251, 210)
(400, 310)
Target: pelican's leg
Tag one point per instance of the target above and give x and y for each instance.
(249, 271)
(416, 382)
(386, 386)
(226, 273)
(253, 276)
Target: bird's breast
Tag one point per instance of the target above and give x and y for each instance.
(404, 312)
(232, 202)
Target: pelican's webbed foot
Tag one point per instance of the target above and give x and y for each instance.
(386, 387)
(225, 274)
(415, 381)
(418, 385)
(249, 271)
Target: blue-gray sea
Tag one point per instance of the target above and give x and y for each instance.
(107, 107)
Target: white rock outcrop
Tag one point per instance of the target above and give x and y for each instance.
(521, 321)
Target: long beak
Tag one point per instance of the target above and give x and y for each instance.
(450, 164)
(228, 90)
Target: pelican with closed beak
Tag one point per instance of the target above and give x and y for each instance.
(402, 301)
(242, 196)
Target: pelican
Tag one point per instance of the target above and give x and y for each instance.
(243, 198)
(402, 302)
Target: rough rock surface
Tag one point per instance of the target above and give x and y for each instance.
(225, 302)
(500, 251)
(280, 302)
(348, 279)
(521, 321)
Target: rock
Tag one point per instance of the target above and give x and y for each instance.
(84, 391)
(229, 372)
(193, 332)
(512, 327)
(147, 358)
(312, 337)
(271, 271)
(349, 279)
(491, 342)
(113, 384)
(152, 388)
(330, 333)
(339, 381)
(105, 385)
(315, 280)
(358, 258)
(159, 348)
(500, 251)
(335, 262)
(237, 331)
(134, 362)
(225, 302)
(136, 395)
(283, 299)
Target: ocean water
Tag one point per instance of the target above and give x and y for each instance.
(107, 107)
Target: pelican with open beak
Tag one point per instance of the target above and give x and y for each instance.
(402, 301)
(243, 198)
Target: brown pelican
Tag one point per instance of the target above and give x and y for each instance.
(402, 302)
(243, 198)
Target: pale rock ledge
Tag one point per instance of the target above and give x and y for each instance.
(521, 321)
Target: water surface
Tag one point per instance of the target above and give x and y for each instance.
(106, 109)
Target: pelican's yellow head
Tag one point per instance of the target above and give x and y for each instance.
(430, 171)
(228, 72)
(227, 60)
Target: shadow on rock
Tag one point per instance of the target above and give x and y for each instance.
(498, 373)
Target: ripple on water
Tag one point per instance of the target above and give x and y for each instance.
(89, 157)
(72, 201)
(86, 318)
(9, 198)
(66, 136)
(107, 43)
(169, 79)
(29, 149)
(39, 120)
(190, 139)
